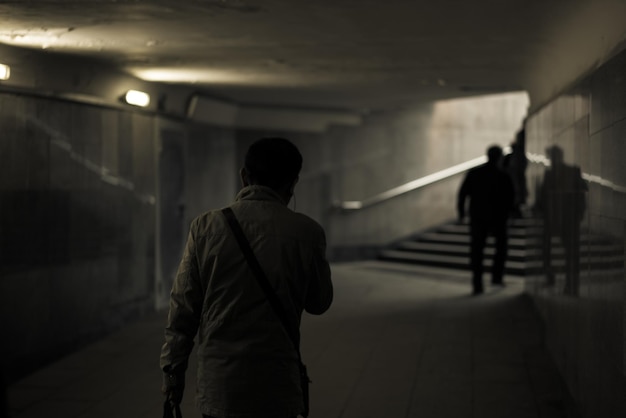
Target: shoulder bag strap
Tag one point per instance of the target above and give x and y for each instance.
(272, 298)
(260, 275)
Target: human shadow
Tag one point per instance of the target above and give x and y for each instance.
(561, 202)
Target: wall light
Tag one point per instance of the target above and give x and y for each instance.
(137, 98)
(5, 72)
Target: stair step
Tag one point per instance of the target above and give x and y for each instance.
(462, 250)
(463, 229)
(448, 245)
(435, 237)
(520, 248)
(459, 262)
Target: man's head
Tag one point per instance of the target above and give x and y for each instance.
(272, 162)
(494, 154)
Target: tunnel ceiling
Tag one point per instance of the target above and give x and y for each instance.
(331, 53)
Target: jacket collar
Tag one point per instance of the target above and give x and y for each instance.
(262, 193)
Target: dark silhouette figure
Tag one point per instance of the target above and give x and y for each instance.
(562, 203)
(248, 364)
(515, 164)
(491, 193)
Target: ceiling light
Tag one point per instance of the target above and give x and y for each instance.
(137, 98)
(213, 76)
(5, 72)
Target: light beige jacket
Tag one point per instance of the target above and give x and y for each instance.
(247, 365)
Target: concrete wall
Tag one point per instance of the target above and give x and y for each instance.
(582, 299)
(90, 232)
(391, 149)
(77, 216)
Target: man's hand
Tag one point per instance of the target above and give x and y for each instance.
(173, 388)
(174, 394)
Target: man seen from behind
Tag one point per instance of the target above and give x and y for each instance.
(247, 365)
(491, 194)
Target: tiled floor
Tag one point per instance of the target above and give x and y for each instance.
(399, 341)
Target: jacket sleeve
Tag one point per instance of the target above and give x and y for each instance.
(319, 295)
(184, 315)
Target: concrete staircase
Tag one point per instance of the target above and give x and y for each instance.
(448, 245)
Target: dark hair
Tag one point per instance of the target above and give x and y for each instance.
(494, 153)
(273, 162)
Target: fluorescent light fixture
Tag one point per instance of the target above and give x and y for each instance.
(5, 72)
(213, 76)
(137, 98)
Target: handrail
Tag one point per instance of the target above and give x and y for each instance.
(591, 178)
(410, 186)
(352, 205)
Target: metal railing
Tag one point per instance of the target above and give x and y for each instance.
(352, 205)
(591, 178)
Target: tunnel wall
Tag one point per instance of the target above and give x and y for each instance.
(77, 213)
(391, 149)
(81, 215)
(579, 288)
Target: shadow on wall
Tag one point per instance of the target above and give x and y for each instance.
(567, 249)
(561, 203)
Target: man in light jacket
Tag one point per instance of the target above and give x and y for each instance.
(247, 364)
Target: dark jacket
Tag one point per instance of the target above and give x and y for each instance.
(247, 365)
(491, 194)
